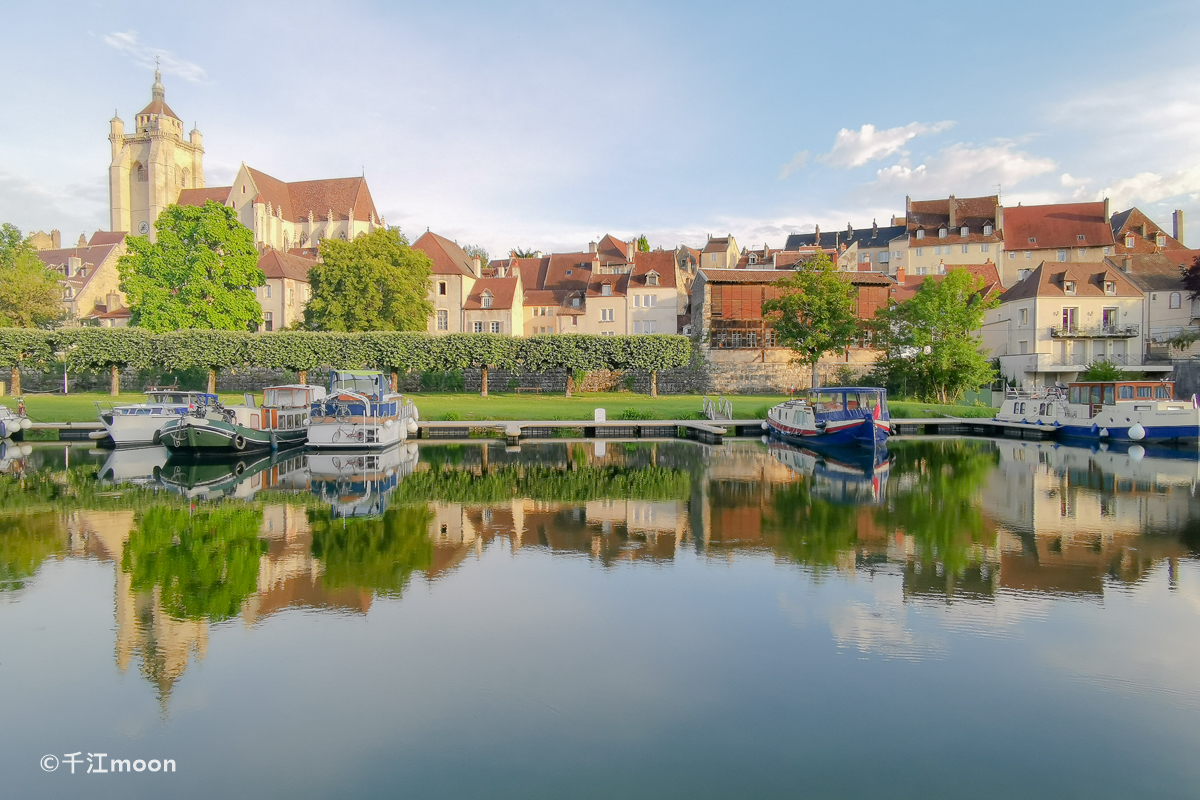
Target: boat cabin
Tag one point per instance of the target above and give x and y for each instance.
(829, 400)
(368, 383)
(1109, 393)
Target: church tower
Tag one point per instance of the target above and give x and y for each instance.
(151, 165)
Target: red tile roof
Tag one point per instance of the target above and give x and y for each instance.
(198, 197)
(336, 195)
(448, 258)
(106, 237)
(1049, 278)
(772, 275)
(91, 257)
(716, 245)
(1056, 226)
(160, 108)
(619, 284)
(1135, 222)
(275, 264)
(987, 271)
(613, 249)
(503, 290)
(660, 261)
(554, 274)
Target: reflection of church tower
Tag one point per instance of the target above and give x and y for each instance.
(151, 165)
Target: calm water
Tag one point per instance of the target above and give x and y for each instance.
(964, 618)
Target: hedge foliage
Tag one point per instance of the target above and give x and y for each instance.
(101, 348)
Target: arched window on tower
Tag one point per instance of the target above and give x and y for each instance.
(141, 172)
(187, 179)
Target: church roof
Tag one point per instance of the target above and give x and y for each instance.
(447, 257)
(160, 108)
(197, 197)
(275, 264)
(296, 200)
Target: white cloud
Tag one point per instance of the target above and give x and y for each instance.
(1150, 187)
(961, 168)
(853, 148)
(144, 56)
(797, 163)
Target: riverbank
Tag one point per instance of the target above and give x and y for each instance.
(501, 406)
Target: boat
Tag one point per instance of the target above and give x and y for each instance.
(1118, 411)
(13, 423)
(232, 477)
(134, 465)
(360, 412)
(843, 415)
(213, 428)
(845, 475)
(138, 424)
(358, 484)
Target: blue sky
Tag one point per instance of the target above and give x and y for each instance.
(548, 124)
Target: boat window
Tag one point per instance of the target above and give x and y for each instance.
(827, 401)
(143, 412)
(1074, 394)
(1096, 394)
(1125, 392)
(1162, 393)
(270, 397)
(254, 420)
(1108, 395)
(868, 400)
(1143, 391)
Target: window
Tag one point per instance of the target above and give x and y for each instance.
(1023, 347)
(1125, 392)
(443, 319)
(606, 290)
(574, 302)
(1062, 255)
(652, 279)
(1023, 318)
(964, 247)
(964, 231)
(884, 257)
(1110, 318)
(1068, 318)
(575, 321)
(606, 315)
(1082, 253)
(922, 270)
(920, 250)
(1143, 392)
(651, 301)
(650, 326)
(1160, 238)
(920, 234)
(269, 321)
(937, 251)
(985, 247)
(1079, 237)
(1069, 287)
(267, 291)
(442, 288)
(486, 300)
(987, 229)
(1176, 299)
(637, 301)
(712, 258)
(1029, 254)
(477, 327)
(1033, 240)
(1110, 287)
(68, 292)
(495, 327)
(1011, 255)
(141, 172)
(942, 232)
(1129, 240)
(291, 294)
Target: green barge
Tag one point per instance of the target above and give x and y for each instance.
(211, 428)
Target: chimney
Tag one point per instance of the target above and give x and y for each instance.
(1127, 263)
(817, 237)
(629, 249)
(1107, 210)
(953, 212)
(82, 241)
(849, 231)
(900, 275)
(476, 266)
(874, 228)
(591, 247)
(999, 219)
(1177, 225)
(56, 234)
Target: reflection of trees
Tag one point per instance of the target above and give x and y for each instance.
(25, 542)
(204, 561)
(539, 483)
(378, 553)
(809, 530)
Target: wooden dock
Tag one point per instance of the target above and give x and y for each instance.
(709, 431)
(971, 426)
(69, 430)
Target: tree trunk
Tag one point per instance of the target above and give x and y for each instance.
(302, 376)
(816, 376)
(654, 383)
(114, 380)
(14, 385)
(483, 383)
(395, 381)
(212, 381)
(570, 382)
(483, 465)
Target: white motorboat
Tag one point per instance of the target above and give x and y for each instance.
(12, 423)
(360, 412)
(139, 423)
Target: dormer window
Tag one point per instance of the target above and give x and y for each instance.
(987, 229)
(486, 300)
(1033, 240)
(1129, 240)
(1069, 287)
(1160, 238)
(920, 233)
(574, 302)
(1080, 237)
(942, 233)
(570, 271)
(964, 231)
(652, 279)
(606, 289)
(1110, 287)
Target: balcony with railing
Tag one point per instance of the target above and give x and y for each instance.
(1127, 331)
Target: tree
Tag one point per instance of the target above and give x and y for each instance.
(374, 283)
(1103, 370)
(1191, 279)
(105, 348)
(931, 340)
(23, 345)
(517, 252)
(30, 296)
(643, 244)
(477, 251)
(200, 272)
(815, 313)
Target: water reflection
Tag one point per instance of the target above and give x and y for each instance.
(202, 543)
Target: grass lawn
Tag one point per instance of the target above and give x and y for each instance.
(499, 406)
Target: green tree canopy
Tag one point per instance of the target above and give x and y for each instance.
(200, 273)
(477, 251)
(1103, 370)
(932, 342)
(643, 244)
(30, 296)
(374, 283)
(816, 313)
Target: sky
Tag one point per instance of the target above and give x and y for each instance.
(545, 125)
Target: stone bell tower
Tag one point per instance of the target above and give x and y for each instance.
(151, 165)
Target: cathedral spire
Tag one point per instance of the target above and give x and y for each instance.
(156, 91)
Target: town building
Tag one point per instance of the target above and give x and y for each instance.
(495, 305)
(1058, 233)
(907, 285)
(151, 165)
(452, 276)
(1134, 232)
(286, 292)
(739, 343)
(957, 230)
(1168, 308)
(719, 253)
(1064, 316)
(874, 249)
(90, 281)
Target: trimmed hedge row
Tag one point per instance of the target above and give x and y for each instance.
(115, 348)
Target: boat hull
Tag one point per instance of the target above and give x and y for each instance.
(356, 436)
(209, 436)
(842, 433)
(135, 430)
